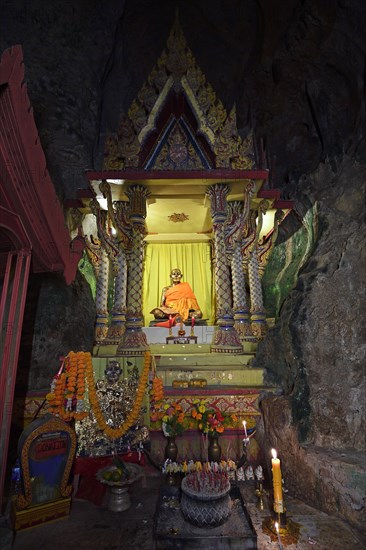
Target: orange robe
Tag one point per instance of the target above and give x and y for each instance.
(181, 298)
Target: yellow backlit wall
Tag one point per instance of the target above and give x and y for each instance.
(193, 259)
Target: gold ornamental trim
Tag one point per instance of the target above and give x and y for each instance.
(178, 217)
(176, 69)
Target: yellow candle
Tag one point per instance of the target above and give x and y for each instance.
(277, 482)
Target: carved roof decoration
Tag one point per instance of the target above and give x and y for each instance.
(182, 217)
(177, 122)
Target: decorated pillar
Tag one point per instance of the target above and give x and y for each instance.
(122, 229)
(117, 323)
(240, 307)
(134, 340)
(98, 257)
(225, 338)
(238, 212)
(107, 248)
(257, 311)
(101, 298)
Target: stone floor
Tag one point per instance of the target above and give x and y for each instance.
(91, 527)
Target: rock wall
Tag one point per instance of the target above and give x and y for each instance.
(323, 477)
(57, 319)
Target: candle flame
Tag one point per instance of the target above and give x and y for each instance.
(244, 423)
(274, 453)
(276, 526)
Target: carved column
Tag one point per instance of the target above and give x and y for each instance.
(258, 313)
(108, 253)
(119, 210)
(101, 298)
(240, 307)
(134, 340)
(237, 214)
(225, 339)
(117, 326)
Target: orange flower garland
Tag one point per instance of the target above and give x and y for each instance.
(157, 392)
(66, 398)
(116, 433)
(56, 397)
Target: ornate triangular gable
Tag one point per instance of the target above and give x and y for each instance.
(177, 122)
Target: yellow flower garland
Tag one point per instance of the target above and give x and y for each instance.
(116, 433)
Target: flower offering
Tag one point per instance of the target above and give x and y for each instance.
(209, 420)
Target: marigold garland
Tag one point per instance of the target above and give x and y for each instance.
(66, 398)
(157, 391)
(116, 433)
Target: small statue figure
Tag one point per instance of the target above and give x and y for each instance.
(240, 474)
(259, 473)
(249, 474)
(231, 475)
(116, 398)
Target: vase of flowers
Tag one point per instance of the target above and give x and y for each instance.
(211, 422)
(172, 424)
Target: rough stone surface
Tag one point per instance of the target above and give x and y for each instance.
(333, 480)
(62, 321)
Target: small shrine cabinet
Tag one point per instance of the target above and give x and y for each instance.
(46, 451)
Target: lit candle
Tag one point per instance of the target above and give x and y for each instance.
(277, 483)
(192, 321)
(170, 321)
(245, 429)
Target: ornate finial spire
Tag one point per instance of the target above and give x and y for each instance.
(176, 70)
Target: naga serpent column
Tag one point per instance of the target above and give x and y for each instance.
(226, 339)
(238, 212)
(134, 340)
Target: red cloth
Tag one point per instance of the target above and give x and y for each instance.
(166, 324)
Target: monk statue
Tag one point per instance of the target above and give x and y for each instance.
(177, 300)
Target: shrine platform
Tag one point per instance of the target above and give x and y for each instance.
(190, 371)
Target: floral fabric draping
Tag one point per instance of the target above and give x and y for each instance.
(193, 259)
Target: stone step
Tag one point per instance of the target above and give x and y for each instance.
(162, 348)
(185, 362)
(207, 360)
(110, 350)
(217, 376)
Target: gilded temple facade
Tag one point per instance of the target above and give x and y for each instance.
(178, 142)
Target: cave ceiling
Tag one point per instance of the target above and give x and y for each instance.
(294, 70)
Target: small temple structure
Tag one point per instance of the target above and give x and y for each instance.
(181, 187)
